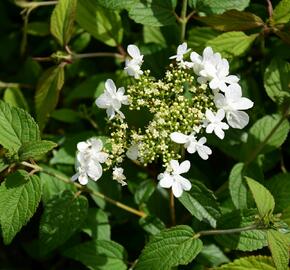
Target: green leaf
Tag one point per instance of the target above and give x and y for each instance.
(263, 198)
(233, 21)
(103, 24)
(47, 93)
(219, 7)
(279, 249)
(237, 184)
(169, 248)
(35, 149)
(62, 20)
(117, 4)
(265, 135)
(52, 186)
(279, 186)
(40, 29)
(17, 127)
(201, 203)
(246, 240)
(153, 12)
(99, 255)
(212, 255)
(144, 191)
(277, 80)
(66, 115)
(281, 13)
(232, 43)
(15, 98)
(62, 217)
(249, 263)
(19, 197)
(152, 224)
(97, 224)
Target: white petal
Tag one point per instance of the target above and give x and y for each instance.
(177, 189)
(202, 140)
(237, 119)
(243, 104)
(95, 170)
(231, 79)
(97, 144)
(166, 180)
(101, 157)
(210, 128)
(191, 148)
(103, 101)
(110, 86)
(220, 114)
(210, 116)
(83, 179)
(185, 184)
(132, 152)
(133, 51)
(110, 113)
(204, 151)
(214, 83)
(207, 53)
(233, 92)
(219, 132)
(174, 164)
(184, 167)
(82, 146)
(75, 176)
(179, 137)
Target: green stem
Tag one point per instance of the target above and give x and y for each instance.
(97, 54)
(86, 189)
(33, 5)
(183, 20)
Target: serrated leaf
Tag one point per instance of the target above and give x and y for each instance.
(169, 248)
(232, 43)
(237, 184)
(62, 20)
(99, 255)
(117, 4)
(261, 130)
(19, 197)
(17, 127)
(277, 80)
(219, 7)
(62, 217)
(153, 12)
(201, 203)
(263, 198)
(97, 225)
(47, 93)
(279, 249)
(247, 240)
(14, 97)
(35, 149)
(247, 263)
(233, 21)
(52, 186)
(281, 13)
(102, 24)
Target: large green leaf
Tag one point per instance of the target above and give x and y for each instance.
(35, 149)
(279, 248)
(233, 21)
(19, 197)
(238, 186)
(47, 93)
(17, 127)
(250, 263)
(117, 4)
(62, 20)
(281, 13)
(247, 240)
(232, 43)
(99, 255)
(15, 97)
(277, 80)
(266, 135)
(153, 12)
(263, 198)
(62, 217)
(103, 24)
(201, 203)
(212, 255)
(171, 247)
(218, 7)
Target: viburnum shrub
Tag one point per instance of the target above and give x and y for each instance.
(144, 134)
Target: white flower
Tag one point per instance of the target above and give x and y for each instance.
(233, 103)
(191, 144)
(181, 50)
(112, 99)
(133, 66)
(215, 123)
(174, 180)
(88, 159)
(118, 175)
(133, 152)
(211, 67)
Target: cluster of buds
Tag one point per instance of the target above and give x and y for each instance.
(197, 96)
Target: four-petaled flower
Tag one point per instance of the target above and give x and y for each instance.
(88, 159)
(118, 175)
(112, 99)
(181, 50)
(215, 123)
(174, 180)
(233, 103)
(133, 65)
(191, 144)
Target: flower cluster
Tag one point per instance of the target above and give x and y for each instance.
(197, 96)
